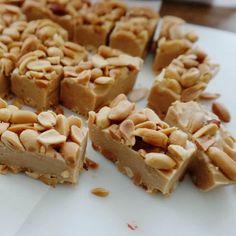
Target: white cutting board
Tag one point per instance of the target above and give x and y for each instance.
(28, 207)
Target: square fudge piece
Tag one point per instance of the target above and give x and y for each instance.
(94, 83)
(154, 155)
(6, 67)
(173, 41)
(184, 79)
(94, 25)
(10, 47)
(37, 76)
(133, 33)
(46, 146)
(215, 161)
(61, 12)
(36, 80)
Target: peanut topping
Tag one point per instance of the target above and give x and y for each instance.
(223, 161)
(19, 117)
(153, 137)
(178, 137)
(62, 125)
(121, 111)
(12, 141)
(159, 161)
(77, 134)
(102, 120)
(69, 151)
(51, 137)
(47, 119)
(3, 104)
(29, 140)
(126, 130)
(221, 111)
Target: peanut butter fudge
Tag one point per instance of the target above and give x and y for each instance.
(36, 79)
(62, 12)
(93, 25)
(215, 161)
(46, 146)
(173, 41)
(10, 48)
(153, 154)
(184, 79)
(92, 84)
(133, 32)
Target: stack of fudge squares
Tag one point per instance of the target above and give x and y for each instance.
(87, 56)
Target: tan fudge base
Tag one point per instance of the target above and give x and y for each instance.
(205, 175)
(160, 98)
(127, 45)
(132, 164)
(34, 94)
(90, 37)
(164, 57)
(81, 99)
(4, 86)
(50, 171)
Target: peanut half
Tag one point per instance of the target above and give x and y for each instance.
(159, 161)
(223, 161)
(221, 111)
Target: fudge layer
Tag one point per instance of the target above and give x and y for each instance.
(45, 146)
(174, 40)
(153, 154)
(184, 79)
(134, 31)
(93, 25)
(94, 83)
(215, 161)
(61, 12)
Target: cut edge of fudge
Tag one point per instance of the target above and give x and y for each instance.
(94, 25)
(215, 161)
(94, 83)
(173, 41)
(184, 79)
(154, 155)
(45, 146)
(133, 33)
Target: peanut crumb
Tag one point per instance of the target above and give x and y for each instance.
(90, 164)
(100, 192)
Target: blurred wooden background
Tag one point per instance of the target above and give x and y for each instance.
(202, 14)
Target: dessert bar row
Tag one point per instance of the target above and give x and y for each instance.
(154, 153)
(130, 30)
(109, 22)
(40, 65)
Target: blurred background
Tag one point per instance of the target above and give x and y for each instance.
(214, 13)
(219, 14)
